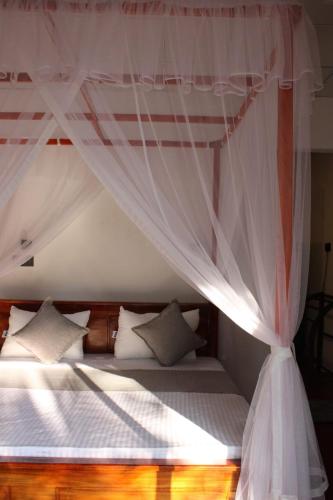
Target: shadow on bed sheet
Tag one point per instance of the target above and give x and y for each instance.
(133, 424)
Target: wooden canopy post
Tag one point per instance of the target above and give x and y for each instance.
(285, 162)
(216, 194)
(285, 150)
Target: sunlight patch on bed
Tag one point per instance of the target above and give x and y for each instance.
(175, 429)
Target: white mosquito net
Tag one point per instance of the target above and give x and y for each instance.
(195, 116)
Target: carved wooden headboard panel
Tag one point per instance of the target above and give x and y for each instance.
(104, 320)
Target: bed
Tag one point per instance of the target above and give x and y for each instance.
(106, 428)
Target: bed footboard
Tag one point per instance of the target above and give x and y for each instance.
(33, 481)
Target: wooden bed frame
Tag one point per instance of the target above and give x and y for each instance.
(148, 481)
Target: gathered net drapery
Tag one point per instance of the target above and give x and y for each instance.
(54, 191)
(195, 116)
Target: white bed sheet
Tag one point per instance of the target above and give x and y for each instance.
(174, 427)
(109, 362)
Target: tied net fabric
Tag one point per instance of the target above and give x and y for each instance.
(195, 116)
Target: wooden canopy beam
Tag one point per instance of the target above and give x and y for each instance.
(150, 143)
(121, 117)
(159, 8)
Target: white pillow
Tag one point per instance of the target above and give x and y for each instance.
(129, 345)
(19, 318)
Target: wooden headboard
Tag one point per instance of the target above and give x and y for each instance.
(104, 320)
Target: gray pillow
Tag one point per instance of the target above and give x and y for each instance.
(49, 334)
(169, 336)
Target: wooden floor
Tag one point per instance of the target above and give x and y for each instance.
(117, 482)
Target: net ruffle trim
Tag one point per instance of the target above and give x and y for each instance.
(238, 84)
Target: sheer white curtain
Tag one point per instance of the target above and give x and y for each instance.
(234, 255)
(176, 109)
(96, 37)
(21, 137)
(41, 189)
(55, 190)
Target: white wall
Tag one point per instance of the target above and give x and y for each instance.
(321, 220)
(321, 13)
(100, 256)
(322, 125)
(322, 232)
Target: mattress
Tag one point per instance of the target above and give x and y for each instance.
(105, 410)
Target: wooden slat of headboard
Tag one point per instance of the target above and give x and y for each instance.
(104, 320)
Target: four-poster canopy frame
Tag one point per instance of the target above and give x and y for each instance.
(155, 481)
(158, 481)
